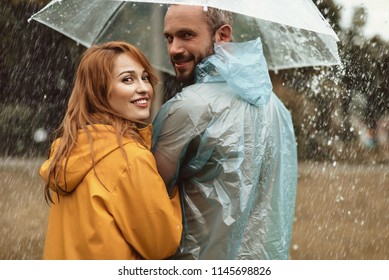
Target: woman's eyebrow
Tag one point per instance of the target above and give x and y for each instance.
(126, 72)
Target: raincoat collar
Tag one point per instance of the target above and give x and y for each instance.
(243, 66)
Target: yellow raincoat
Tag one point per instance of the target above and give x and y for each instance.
(122, 213)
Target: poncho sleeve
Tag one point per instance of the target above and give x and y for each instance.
(177, 130)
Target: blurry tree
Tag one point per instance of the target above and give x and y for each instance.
(355, 58)
(317, 88)
(365, 71)
(37, 67)
(333, 97)
(36, 72)
(15, 131)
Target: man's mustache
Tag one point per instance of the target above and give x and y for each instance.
(180, 58)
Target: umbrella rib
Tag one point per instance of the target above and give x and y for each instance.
(102, 31)
(42, 10)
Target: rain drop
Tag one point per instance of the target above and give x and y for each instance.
(40, 135)
(339, 198)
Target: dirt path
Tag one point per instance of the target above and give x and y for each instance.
(342, 211)
(23, 211)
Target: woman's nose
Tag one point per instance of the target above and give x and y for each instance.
(143, 87)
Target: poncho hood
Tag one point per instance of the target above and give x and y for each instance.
(243, 66)
(80, 159)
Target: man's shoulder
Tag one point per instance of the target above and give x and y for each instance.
(198, 95)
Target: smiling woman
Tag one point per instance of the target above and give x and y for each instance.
(132, 90)
(101, 178)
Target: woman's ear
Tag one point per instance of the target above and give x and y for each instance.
(224, 34)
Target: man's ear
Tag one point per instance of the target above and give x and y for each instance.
(224, 34)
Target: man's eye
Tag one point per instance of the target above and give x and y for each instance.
(169, 39)
(188, 35)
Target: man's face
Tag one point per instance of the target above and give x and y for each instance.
(188, 40)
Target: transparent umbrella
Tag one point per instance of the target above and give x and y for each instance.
(294, 33)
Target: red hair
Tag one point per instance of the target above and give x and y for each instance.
(88, 104)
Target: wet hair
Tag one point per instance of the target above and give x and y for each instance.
(217, 18)
(88, 105)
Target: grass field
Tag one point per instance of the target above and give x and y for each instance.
(341, 213)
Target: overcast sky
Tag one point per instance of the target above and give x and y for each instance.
(377, 17)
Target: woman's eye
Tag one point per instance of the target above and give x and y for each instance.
(145, 77)
(127, 79)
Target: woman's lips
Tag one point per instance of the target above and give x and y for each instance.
(141, 102)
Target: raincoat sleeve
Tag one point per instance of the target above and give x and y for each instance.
(152, 222)
(178, 127)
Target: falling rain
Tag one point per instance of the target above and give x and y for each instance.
(340, 115)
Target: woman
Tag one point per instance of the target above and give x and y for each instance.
(108, 200)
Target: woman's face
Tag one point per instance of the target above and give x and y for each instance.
(131, 89)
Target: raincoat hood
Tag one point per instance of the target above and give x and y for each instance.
(243, 66)
(80, 159)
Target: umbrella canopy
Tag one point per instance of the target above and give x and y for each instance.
(294, 33)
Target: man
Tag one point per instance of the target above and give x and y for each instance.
(227, 141)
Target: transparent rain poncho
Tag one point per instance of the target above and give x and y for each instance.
(232, 147)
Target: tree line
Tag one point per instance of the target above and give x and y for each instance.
(37, 69)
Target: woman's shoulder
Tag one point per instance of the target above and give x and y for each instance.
(107, 146)
(119, 163)
(135, 150)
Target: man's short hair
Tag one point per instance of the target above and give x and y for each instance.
(217, 18)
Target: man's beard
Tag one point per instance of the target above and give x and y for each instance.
(190, 79)
(184, 78)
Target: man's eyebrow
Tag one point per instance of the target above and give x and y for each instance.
(180, 32)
